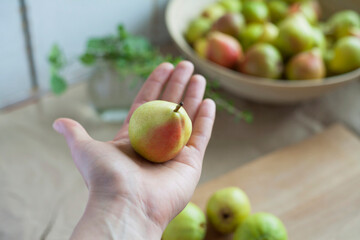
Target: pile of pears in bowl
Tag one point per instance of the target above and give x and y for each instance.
(228, 211)
(264, 49)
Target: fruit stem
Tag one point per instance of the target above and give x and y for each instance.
(178, 106)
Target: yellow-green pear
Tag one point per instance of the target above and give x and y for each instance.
(308, 9)
(232, 5)
(262, 60)
(189, 224)
(306, 66)
(251, 34)
(261, 226)
(158, 130)
(278, 10)
(214, 11)
(227, 208)
(320, 40)
(270, 33)
(341, 23)
(295, 35)
(255, 11)
(197, 29)
(201, 47)
(346, 55)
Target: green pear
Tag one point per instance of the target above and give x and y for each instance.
(278, 10)
(346, 55)
(261, 226)
(296, 1)
(319, 40)
(270, 33)
(189, 224)
(251, 34)
(201, 47)
(256, 33)
(223, 49)
(227, 208)
(341, 23)
(255, 11)
(158, 130)
(328, 56)
(197, 28)
(230, 23)
(295, 35)
(232, 5)
(308, 9)
(355, 32)
(306, 66)
(214, 11)
(262, 60)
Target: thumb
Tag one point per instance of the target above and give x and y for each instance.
(75, 136)
(73, 132)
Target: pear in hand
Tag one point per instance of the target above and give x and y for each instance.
(158, 130)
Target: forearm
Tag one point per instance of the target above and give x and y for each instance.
(111, 219)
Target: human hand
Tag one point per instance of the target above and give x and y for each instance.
(129, 197)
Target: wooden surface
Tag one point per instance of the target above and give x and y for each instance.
(312, 186)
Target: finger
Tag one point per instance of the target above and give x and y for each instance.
(194, 95)
(203, 125)
(73, 132)
(178, 81)
(151, 90)
(76, 138)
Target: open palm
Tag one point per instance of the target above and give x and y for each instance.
(114, 170)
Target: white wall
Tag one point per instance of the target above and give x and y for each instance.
(14, 74)
(68, 23)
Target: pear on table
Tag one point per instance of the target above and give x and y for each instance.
(189, 224)
(158, 130)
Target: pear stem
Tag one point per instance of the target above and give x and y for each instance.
(178, 106)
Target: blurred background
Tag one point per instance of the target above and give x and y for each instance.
(34, 26)
(48, 70)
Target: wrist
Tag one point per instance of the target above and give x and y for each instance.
(115, 218)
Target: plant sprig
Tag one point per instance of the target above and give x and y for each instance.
(223, 103)
(131, 55)
(57, 61)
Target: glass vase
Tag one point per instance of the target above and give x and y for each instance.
(112, 92)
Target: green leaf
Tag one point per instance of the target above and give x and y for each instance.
(106, 47)
(176, 60)
(57, 84)
(56, 58)
(247, 116)
(121, 63)
(138, 47)
(122, 32)
(87, 59)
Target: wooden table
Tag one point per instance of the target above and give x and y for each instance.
(313, 186)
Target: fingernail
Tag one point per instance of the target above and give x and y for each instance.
(57, 126)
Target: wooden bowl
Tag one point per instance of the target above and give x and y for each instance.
(180, 12)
